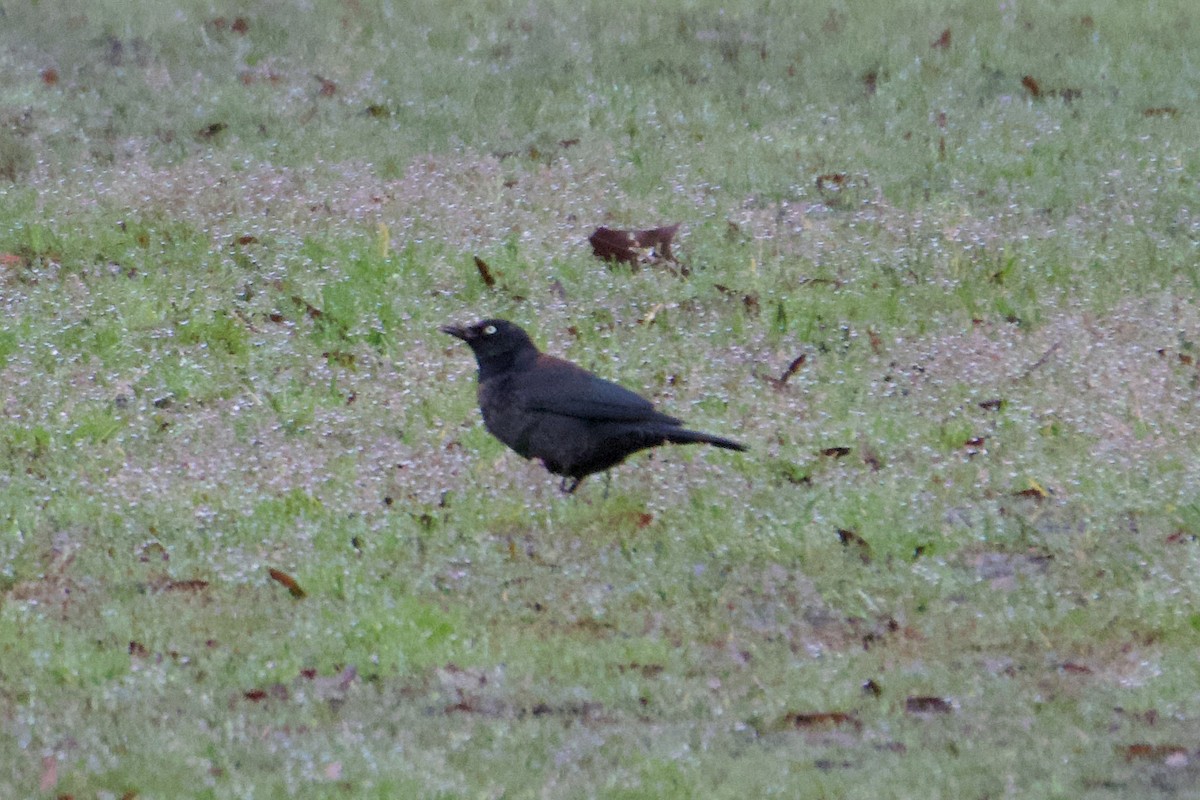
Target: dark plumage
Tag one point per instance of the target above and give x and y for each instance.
(546, 408)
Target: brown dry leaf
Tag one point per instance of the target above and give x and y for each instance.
(647, 670)
(994, 404)
(927, 705)
(210, 131)
(1071, 668)
(1033, 493)
(193, 585)
(288, 582)
(819, 719)
(485, 272)
(1035, 89)
(943, 41)
(870, 80)
(1161, 111)
(50, 76)
(328, 87)
(850, 539)
(831, 180)
(749, 299)
(153, 551)
(240, 26)
(312, 311)
(792, 368)
(835, 452)
(876, 341)
(1152, 752)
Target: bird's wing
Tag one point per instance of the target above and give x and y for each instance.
(560, 387)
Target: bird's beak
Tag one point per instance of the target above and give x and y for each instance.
(457, 331)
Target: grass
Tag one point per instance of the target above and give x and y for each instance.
(958, 561)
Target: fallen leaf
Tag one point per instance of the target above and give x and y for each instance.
(835, 452)
(50, 76)
(992, 405)
(1161, 111)
(850, 539)
(328, 87)
(211, 131)
(870, 80)
(485, 272)
(647, 670)
(1035, 491)
(927, 705)
(943, 41)
(820, 719)
(871, 458)
(194, 585)
(749, 300)
(831, 180)
(1152, 752)
(240, 26)
(1071, 668)
(1031, 85)
(288, 582)
(787, 374)
(312, 311)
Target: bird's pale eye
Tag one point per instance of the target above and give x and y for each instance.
(489, 330)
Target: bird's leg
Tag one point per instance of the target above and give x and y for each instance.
(570, 488)
(607, 483)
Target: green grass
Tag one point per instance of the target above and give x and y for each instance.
(228, 237)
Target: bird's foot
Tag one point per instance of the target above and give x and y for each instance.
(569, 488)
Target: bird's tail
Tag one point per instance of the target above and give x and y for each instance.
(684, 436)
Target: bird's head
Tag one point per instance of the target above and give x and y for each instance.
(497, 343)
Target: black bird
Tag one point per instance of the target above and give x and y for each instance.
(546, 408)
